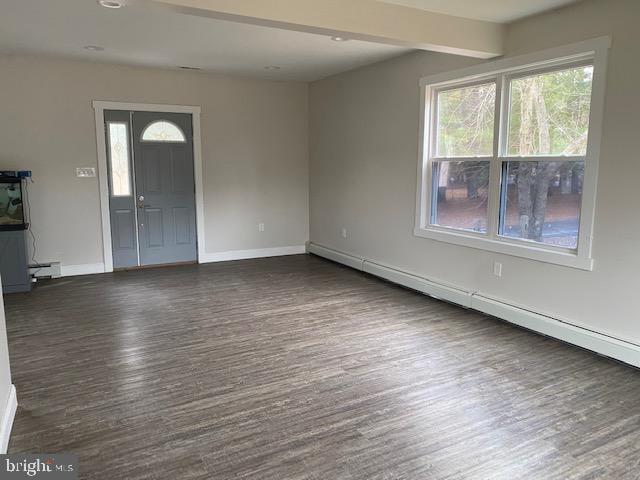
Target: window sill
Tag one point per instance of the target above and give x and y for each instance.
(506, 247)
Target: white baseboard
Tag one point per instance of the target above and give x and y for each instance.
(7, 419)
(91, 268)
(83, 269)
(245, 254)
(603, 344)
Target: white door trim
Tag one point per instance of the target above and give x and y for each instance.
(103, 169)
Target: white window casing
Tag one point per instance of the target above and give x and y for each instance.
(590, 52)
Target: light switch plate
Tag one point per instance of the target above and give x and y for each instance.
(85, 172)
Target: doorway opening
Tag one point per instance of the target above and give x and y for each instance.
(150, 183)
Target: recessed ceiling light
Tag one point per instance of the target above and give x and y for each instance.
(272, 67)
(339, 39)
(110, 4)
(94, 48)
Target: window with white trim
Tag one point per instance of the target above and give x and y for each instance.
(509, 155)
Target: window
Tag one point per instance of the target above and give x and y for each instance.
(465, 121)
(119, 159)
(464, 134)
(509, 155)
(460, 191)
(163, 131)
(541, 201)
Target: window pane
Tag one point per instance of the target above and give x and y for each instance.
(541, 201)
(119, 156)
(549, 113)
(162, 131)
(460, 195)
(465, 121)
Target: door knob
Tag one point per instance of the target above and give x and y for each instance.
(141, 201)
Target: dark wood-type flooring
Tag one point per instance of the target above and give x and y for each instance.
(298, 368)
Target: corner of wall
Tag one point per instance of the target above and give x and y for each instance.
(11, 405)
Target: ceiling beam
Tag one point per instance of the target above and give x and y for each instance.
(359, 20)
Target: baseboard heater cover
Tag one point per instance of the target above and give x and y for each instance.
(414, 282)
(336, 256)
(605, 345)
(608, 346)
(45, 270)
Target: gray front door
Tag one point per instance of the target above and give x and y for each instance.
(152, 194)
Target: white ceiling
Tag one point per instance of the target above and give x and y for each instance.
(501, 11)
(142, 35)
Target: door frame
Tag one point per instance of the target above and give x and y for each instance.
(103, 168)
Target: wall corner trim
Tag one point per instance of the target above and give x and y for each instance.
(7, 419)
(255, 253)
(608, 346)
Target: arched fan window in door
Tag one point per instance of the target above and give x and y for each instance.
(163, 131)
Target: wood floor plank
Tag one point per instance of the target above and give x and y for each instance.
(298, 368)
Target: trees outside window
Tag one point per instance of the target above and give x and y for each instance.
(540, 155)
(548, 116)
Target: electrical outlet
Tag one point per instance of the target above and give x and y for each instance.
(344, 233)
(261, 227)
(497, 269)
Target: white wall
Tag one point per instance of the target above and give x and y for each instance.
(364, 151)
(254, 142)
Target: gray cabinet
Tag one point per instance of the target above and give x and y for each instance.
(13, 262)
